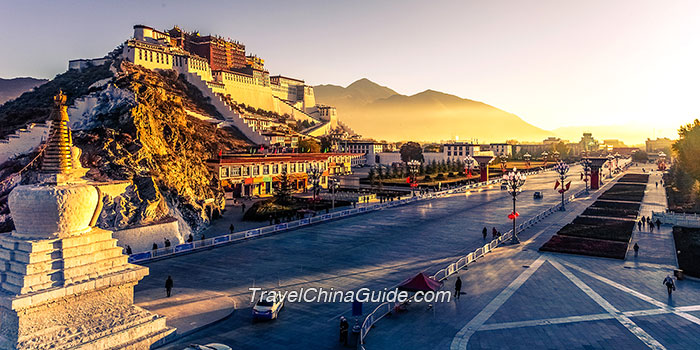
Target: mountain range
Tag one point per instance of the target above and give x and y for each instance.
(379, 112)
(13, 88)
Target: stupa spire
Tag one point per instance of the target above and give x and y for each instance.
(57, 155)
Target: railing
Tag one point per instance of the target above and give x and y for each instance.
(676, 219)
(385, 308)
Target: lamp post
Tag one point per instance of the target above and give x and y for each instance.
(562, 168)
(413, 167)
(610, 159)
(468, 162)
(617, 161)
(544, 157)
(504, 162)
(514, 182)
(314, 174)
(556, 155)
(586, 163)
(527, 158)
(333, 185)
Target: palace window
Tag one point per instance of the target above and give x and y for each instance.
(140, 54)
(235, 171)
(245, 171)
(223, 172)
(266, 170)
(275, 169)
(256, 170)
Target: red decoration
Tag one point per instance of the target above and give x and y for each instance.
(568, 185)
(513, 215)
(408, 180)
(556, 185)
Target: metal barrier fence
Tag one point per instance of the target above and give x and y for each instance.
(385, 308)
(141, 257)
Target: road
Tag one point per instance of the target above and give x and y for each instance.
(375, 250)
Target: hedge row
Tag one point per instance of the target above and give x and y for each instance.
(642, 178)
(585, 246)
(688, 246)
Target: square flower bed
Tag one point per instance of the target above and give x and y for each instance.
(616, 205)
(585, 246)
(640, 178)
(625, 192)
(618, 233)
(610, 212)
(688, 247)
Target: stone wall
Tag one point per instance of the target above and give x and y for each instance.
(141, 238)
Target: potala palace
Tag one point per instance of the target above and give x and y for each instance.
(232, 80)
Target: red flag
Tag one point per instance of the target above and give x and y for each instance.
(581, 176)
(408, 180)
(567, 186)
(556, 185)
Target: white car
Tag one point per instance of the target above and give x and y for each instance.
(267, 310)
(212, 346)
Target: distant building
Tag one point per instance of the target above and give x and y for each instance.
(259, 175)
(660, 144)
(501, 148)
(459, 150)
(369, 148)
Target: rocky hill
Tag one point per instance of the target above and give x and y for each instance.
(379, 112)
(13, 88)
(137, 130)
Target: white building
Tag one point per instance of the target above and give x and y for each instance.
(370, 149)
(459, 150)
(501, 148)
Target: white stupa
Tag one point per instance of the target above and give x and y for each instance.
(65, 283)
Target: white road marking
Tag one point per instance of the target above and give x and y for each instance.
(645, 337)
(648, 299)
(461, 339)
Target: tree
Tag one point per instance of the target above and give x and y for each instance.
(411, 151)
(640, 156)
(687, 148)
(327, 143)
(309, 146)
(283, 192)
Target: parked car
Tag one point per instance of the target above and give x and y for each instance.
(212, 346)
(537, 195)
(504, 186)
(267, 310)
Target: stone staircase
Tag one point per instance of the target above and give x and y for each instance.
(231, 117)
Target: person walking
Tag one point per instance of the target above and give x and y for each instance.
(168, 286)
(636, 249)
(658, 224)
(128, 250)
(639, 225)
(657, 184)
(155, 247)
(670, 285)
(344, 330)
(190, 238)
(242, 208)
(484, 232)
(644, 221)
(494, 232)
(651, 227)
(458, 287)
(166, 242)
(231, 229)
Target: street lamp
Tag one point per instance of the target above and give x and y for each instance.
(556, 155)
(586, 163)
(562, 168)
(314, 173)
(544, 157)
(413, 167)
(468, 162)
(617, 161)
(514, 182)
(504, 162)
(333, 185)
(610, 159)
(527, 158)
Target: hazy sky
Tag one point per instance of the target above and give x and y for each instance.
(554, 63)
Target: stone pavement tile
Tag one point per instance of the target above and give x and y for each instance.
(607, 334)
(620, 300)
(546, 294)
(646, 279)
(672, 331)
